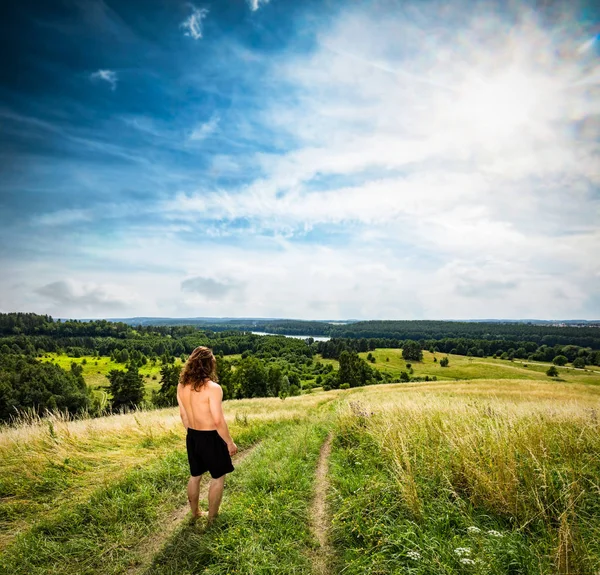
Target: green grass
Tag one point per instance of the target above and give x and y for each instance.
(100, 534)
(95, 375)
(95, 369)
(263, 526)
(414, 468)
(389, 360)
(418, 476)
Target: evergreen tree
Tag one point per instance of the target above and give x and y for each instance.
(126, 388)
(166, 396)
(412, 351)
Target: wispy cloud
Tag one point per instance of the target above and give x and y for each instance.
(109, 76)
(193, 24)
(382, 165)
(587, 45)
(63, 217)
(205, 129)
(256, 4)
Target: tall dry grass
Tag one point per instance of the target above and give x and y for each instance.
(526, 455)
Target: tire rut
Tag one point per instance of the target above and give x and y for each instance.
(319, 513)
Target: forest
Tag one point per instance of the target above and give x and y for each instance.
(248, 365)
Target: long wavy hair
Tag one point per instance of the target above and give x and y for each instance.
(200, 366)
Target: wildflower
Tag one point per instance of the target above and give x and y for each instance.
(494, 533)
(473, 529)
(413, 555)
(460, 551)
(467, 561)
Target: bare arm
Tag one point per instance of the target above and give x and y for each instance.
(215, 399)
(184, 417)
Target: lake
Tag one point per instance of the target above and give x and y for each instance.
(315, 337)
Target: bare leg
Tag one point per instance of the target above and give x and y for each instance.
(193, 491)
(215, 493)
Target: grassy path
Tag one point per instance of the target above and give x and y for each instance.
(319, 515)
(152, 544)
(102, 533)
(264, 524)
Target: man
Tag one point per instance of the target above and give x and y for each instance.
(209, 444)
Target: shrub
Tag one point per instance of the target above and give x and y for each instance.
(560, 360)
(552, 372)
(444, 362)
(345, 386)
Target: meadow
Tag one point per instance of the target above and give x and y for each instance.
(461, 367)
(495, 476)
(95, 369)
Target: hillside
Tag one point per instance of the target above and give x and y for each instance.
(420, 477)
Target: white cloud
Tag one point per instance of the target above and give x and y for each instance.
(256, 4)
(109, 76)
(205, 129)
(193, 24)
(441, 172)
(587, 45)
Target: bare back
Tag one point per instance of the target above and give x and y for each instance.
(197, 405)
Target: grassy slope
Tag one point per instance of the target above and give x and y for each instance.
(462, 367)
(97, 532)
(434, 459)
(263, 527)
(95, 375)
(433, 468)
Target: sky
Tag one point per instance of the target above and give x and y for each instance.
(305, 159)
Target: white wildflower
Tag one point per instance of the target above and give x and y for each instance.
(494, 533)
(460, 551)
(473, 529)
(414, 555)
(467, 561)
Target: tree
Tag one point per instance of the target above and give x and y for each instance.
(224, 375)
(354, 371)
(412, 351)
(444, 362)
(552, 372)
(579, 363)
(560, 360)
(274, 380)
(166, 396)
(250, 378)
(26, 383)
(126, 388)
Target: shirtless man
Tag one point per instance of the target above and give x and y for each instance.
(209, 444)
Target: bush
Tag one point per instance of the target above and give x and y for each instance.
(560, 360)
(444, 362)
(552, 372)
(345, 386)
(579, 363)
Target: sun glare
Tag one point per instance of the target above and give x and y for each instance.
(500, 106)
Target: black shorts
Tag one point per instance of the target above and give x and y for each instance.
(207, 451)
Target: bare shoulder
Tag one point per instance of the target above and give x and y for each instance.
(213, 385)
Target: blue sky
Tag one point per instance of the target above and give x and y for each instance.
(326, 160)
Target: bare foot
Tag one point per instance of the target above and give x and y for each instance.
(210, 521)
(201, 513)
